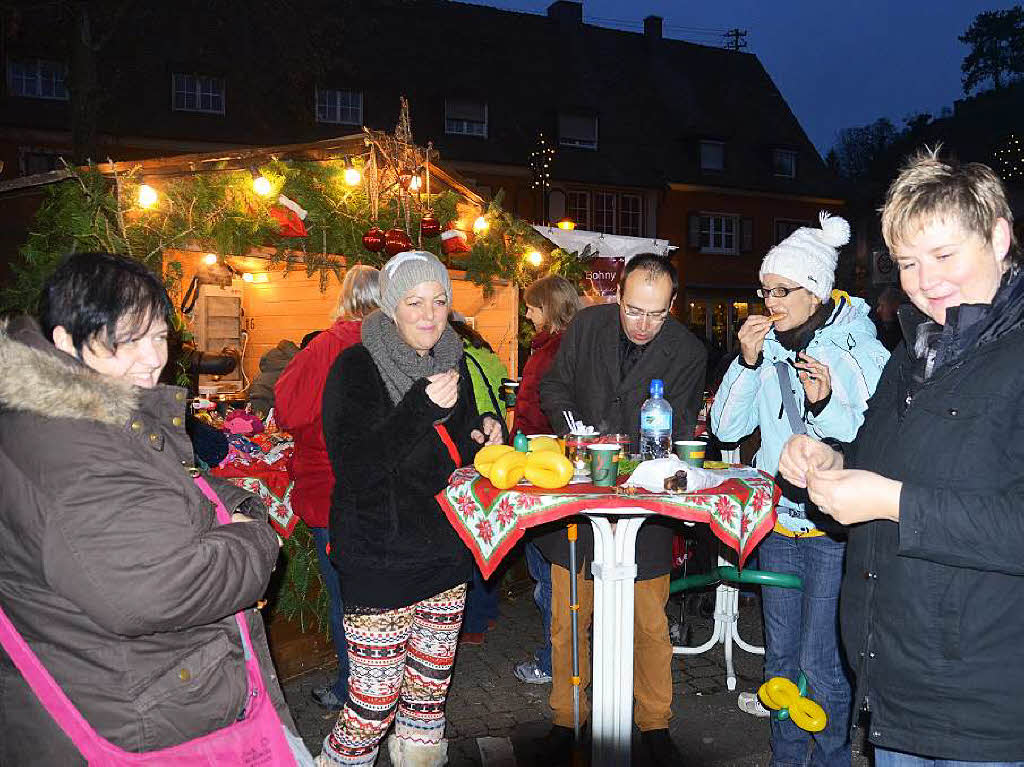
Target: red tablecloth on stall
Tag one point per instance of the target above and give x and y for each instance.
(740, 511)
(271, 483)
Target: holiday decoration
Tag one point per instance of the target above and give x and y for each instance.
(395, 241)
(429, 226)
(373, 240)
(289, 216)
(454, 241)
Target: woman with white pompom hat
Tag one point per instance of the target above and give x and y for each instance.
(809, 366)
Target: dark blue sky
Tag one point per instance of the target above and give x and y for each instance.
(837, 64)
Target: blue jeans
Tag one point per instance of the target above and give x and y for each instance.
(481, 603)
(886, 758)
(321, 537)
(801, 630)
(540, 571)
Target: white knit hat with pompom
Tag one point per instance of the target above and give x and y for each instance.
(809, 256)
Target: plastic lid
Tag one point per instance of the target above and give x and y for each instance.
(657, 387)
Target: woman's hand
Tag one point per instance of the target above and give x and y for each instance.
(814, 376)
(802, 454)
(443, 388)
(491, 434)
(852, 495)
(751, 337)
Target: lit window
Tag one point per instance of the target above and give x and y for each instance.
(465, 118)
(577, 131)
(718, 234)
(631, 218)
(604, 212)
(712, 155)
(37, 79)
(197, 93)
(784, 163)
(334, 106)
(578, 208)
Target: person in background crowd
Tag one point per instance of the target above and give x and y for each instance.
(112, 565)
(810, 366)
(602, 375)
(551, 303)
(487, 371)
(887, 323)
(399, 418)
(299, 395)
(933, 594)
(272, 364)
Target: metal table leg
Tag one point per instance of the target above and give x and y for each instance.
(614, 570)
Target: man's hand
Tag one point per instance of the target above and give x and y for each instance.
(814, 376)
(853, 495)
(491, 434)
(443, 388)
(751, 337)
(802, 454)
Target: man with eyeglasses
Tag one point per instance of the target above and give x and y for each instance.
(602, 375)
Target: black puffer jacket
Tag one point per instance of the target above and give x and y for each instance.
(933, 607)
(390, 541)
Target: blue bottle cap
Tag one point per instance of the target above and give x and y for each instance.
(657, 387)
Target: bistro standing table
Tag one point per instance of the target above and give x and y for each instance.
(740, 511)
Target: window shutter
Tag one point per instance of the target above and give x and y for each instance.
(746, 234)
(693, 233)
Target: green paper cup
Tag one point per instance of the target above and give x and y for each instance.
(691, 451)
(604, 464)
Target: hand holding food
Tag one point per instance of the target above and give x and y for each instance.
(814, 376)
(751, 336)
(443, 388)
(802, 454)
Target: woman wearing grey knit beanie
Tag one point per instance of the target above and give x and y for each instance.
(809, 366)
(400, 416)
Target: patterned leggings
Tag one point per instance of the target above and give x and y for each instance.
(400, 661)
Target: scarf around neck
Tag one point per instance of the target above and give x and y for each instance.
(399, 364)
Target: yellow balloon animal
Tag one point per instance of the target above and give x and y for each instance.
(780, 694)
(544, 465)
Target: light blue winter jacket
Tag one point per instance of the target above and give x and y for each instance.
(749, 398)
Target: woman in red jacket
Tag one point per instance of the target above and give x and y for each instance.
(298, 395)
(551, 303)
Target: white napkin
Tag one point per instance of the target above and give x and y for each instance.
(651, 475)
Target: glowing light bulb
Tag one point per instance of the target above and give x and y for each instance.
(352, 176)
(210, 259)
(567, 224)
(534, 258)
(261, 186)
(480, 225)
(147, 196)
(415, 183)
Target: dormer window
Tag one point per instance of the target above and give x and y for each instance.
(784, 163)
(712, 155)
(464, 117)
(577, 131)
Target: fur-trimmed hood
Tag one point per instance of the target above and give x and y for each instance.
(36, 377)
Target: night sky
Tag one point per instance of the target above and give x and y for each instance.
(838, 65)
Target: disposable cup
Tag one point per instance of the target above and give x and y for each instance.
(604, 464)
(691, 451)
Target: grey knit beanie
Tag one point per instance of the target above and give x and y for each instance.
(405, 271)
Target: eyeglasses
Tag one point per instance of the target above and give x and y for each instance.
(637, 314)
(779, 292)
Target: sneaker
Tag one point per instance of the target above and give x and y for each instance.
(530, 672)
(749, 703)
(661, 750)
(325, 698)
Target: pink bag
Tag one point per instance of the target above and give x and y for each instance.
(256, 740)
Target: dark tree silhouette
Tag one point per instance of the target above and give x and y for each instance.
(996, 41)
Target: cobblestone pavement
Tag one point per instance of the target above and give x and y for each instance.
(486, 700)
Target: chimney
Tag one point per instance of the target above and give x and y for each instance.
(566, 12)
(652, 27)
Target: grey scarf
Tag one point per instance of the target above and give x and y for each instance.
(399, 364)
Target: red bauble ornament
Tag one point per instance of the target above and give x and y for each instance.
(430, 226)
(373, 240)
(395, 241)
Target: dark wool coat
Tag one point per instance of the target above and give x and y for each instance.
(585, 379)
(530, 419)
(112, 565)
(933, 607)
(390, 541)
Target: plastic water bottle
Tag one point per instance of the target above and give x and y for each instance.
(656, 424)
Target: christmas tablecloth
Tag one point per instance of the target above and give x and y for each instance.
(270, 482)
(740, 511)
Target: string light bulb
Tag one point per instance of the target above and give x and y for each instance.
(480, 225)
(534, 258)
(352, 174)
(260, 183)
(210, 259)
(147, 196)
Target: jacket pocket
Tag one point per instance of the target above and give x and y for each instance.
(951, 611)
(956, 430)
(203, 691)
